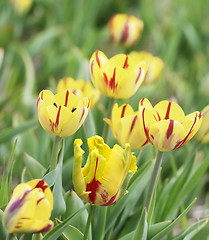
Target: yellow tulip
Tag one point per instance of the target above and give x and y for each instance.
(125, 29)
(167, 126)
(127, 126)
(104, 178)
(29, 208)
(80, 88)
(203, 133)
(61, 114)
(21, 6)
(155, 68)
(117, 77)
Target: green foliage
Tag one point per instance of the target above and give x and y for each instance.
(54, 39)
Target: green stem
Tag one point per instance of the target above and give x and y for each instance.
(88, 222)
(109, 113)
(55, 152)
(10, 237)
(153, 182)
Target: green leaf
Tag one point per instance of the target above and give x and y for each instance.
(169, 228)
(59, 229)
(189, 185)
(3, 231)
(141, 230)
(156, 228)
(8, 133)
(128, 202)
(26, 175)
(73, 204)
(192, 230)
(59, 202)
(72, 233)
(36, 169)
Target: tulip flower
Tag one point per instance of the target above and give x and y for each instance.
(104, 178)
(29, 208)
(155, 68)
(61, 114)
(203, 133)
(117, 77)
(21, 6)
(80, 88)
(166, 125)
(127, 126)
(125, 29)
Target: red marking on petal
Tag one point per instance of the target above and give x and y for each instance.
(132, 124)
(38, 102)
(92, 64)
(126, 62)
(152, 137)
(111, 201)
(125, 32)
(41, 185)
(137, 79)
(42, 95)
(145, 143)
(97, 58)
(123, 110)
(66, 98)
(142, 101)
(170, 129)
(44, 229)
(58, 117)
(112, 83)
(84, 109)
(104, 196)
(168, 111)
(105, 78)
(181, 143)
(40, 200)
(93, 186)
(159, 118)
(145, 129)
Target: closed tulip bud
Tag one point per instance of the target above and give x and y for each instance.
(125, 29)
(80, 88)
(117, 77)
(155, 64)
(29, 208)
(167, 126)
(203, 133)
(127, 126)
(104, 178)
(61, 114)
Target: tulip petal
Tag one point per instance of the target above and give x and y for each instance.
(165, 134)
(169, 110)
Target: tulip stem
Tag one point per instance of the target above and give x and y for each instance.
(10, 237)
(109, 113)
(153, 182)
(88, 222)
(55, 152)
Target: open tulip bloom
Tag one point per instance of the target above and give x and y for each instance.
(104, 178)
(127, 126)
(155, 68)
(80, 88)
(61, 114)
(117, 77)
(29, 208)
(125, 29)
(166, 125)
